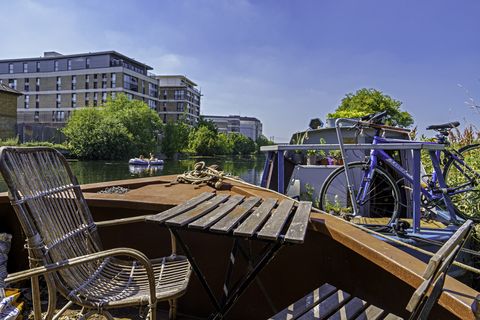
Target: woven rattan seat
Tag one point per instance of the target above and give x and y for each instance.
(62, 236)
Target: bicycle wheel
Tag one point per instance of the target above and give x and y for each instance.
(464, 178)
(383, 199)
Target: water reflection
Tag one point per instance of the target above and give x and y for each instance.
(247, 168)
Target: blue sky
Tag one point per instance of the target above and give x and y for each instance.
(283, 62)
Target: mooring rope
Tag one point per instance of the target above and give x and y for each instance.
(201, 174)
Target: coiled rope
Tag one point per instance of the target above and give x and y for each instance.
(201, 174)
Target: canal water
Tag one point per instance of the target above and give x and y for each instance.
(247, 168)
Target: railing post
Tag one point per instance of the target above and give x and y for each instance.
(416, 190)
(266, 169)
(280, 172)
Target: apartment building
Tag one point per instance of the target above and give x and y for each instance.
(179, 98)
(248, 126)
(8, 111)
(54, 85)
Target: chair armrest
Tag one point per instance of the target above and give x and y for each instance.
(137, 255)
(115, 222)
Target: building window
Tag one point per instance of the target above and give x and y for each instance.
(37, 84)
(114, 95)
(37, 102)
(152, 104)
(165, 95)
(87, 63)
(87, 101)
(25, 67)
(36, 117)
(55, 65)
(95, 80)
(27, 102)
(95, 99)
(10, 68)
(38, 66)
(152, 90)
(59, 101)
(179, 106)
(130, 83)
(178, 95)
(59, 83)
(104, 97)
(74, 82)
(74, 100)
(69, 64)
(26, 86)
(114, 80)
(104, 80)
(87, 81)
(12, 83)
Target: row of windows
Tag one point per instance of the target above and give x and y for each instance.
(73, 100)
(55, 66)
(113, 82)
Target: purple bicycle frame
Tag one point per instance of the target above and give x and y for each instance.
(376, 154)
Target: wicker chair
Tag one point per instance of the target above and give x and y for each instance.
(62, 239)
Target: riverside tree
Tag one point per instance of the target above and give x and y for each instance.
(119, 129)
(367, 101)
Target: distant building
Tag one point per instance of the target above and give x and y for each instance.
(178, 99)
(54, 85)
(8, 111)
(248, 126)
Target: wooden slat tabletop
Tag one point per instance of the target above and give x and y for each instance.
(230, 220)
(198, 211)
(255, 220)
(274, 225)
(167, 214)
(327, 306)
(212, 217)
(298, 226)
(243, 217)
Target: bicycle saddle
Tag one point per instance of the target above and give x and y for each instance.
(448, 125)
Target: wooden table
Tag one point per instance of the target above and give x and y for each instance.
(273, 223)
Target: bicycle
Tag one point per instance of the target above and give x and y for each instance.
(379, 194)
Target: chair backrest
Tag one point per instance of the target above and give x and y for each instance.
(51, 208)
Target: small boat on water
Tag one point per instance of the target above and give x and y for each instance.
(334, 252)
(145, 162)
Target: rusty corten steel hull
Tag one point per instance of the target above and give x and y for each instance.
(334, 252)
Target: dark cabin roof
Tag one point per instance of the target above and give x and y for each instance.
(5, 88)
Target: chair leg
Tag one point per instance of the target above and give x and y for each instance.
(52, 298)
(172, 314)
(37, 304)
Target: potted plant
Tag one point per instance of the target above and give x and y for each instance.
(336, 156)
(311, 157)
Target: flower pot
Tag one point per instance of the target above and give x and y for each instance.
(311, 160)
(324, 161)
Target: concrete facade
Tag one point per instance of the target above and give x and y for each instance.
(178, 99)
(54, 85)
(248, 126)
(8, 111)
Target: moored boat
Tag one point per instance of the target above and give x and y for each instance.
(335, 251)
(145, 162)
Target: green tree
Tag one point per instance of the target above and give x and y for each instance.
(175, 137)
(241, 144)
(120, 129)
(202, 122)
(203, 141)
(263, 141)
(368, 101)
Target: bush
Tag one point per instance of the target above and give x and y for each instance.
(120, 129)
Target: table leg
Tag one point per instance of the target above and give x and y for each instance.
(248, 278)
(196, 270)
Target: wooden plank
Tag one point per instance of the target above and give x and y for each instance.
(371, 313)
(391, 316)
(298, 227)
(306, 303)
(231, 219)
(255, 220)
(448, 247)
(198, 211)
(212, 217)
(274, 225)
(328, 306)
(350, 310)
(167, 214)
